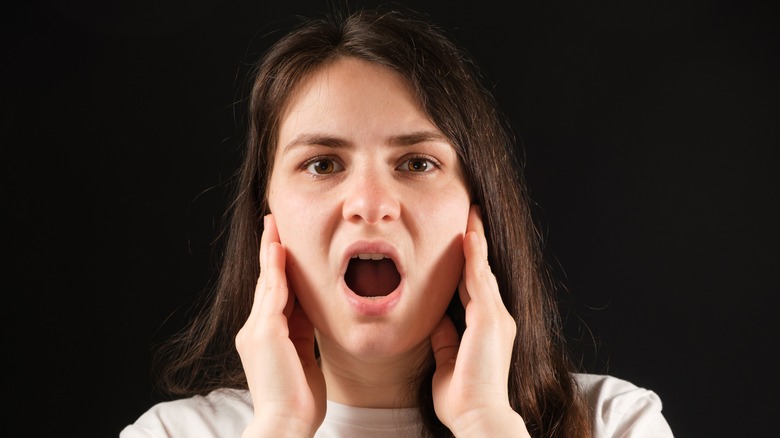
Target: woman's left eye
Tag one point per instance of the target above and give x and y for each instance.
(417, 165)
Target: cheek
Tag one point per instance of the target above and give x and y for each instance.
(302, 220)
(445, 214)
(294, 210)
(293, 214)
(292, 220)
(442, 226)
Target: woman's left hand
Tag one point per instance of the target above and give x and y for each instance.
(470, 385)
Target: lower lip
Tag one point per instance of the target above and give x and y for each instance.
(374, 306)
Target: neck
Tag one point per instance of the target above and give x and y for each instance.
(390, 382)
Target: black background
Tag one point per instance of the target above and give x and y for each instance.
(650, 136)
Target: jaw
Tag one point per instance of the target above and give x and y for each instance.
(379, 327)
(379, 347)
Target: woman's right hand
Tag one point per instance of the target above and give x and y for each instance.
(276, 346)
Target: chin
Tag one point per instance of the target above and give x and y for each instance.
(379, 343)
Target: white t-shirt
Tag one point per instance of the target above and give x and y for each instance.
(620, 409)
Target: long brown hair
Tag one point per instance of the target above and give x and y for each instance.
(450, 89)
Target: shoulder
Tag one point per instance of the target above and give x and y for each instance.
(221, 413)
(619, 408)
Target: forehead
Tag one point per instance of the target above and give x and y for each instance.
(349, 68)
(354, 89)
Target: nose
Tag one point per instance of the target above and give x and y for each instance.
(371, 198)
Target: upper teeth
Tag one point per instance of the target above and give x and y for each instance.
(368, 256)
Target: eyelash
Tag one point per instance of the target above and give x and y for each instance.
(307, 165)
(426, 158)
(320, 159)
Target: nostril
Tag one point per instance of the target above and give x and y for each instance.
(371, 202)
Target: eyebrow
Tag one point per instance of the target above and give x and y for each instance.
(322, 139)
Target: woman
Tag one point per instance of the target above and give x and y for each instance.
(400, 288)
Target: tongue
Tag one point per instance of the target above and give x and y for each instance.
(372, 278)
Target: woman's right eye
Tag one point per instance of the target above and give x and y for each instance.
(322, 166)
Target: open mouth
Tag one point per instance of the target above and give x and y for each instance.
(372, 275)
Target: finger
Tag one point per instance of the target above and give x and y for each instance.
(302, 335)
(291, 302)
(463, 292)
(473, 226)
(275, 294)
(478, 279)
(476, 225)
(445, 343)
(270, 235)
(271, 292)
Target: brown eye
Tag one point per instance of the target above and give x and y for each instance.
(322, 167)
(417, 165)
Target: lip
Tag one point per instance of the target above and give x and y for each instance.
(373, 306)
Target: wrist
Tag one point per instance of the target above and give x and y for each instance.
(278, 426)
(491, 422)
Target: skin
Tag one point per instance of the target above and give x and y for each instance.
(360, 165)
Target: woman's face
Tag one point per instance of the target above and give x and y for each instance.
(371, 206)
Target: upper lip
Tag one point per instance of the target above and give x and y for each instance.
(371, 247)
